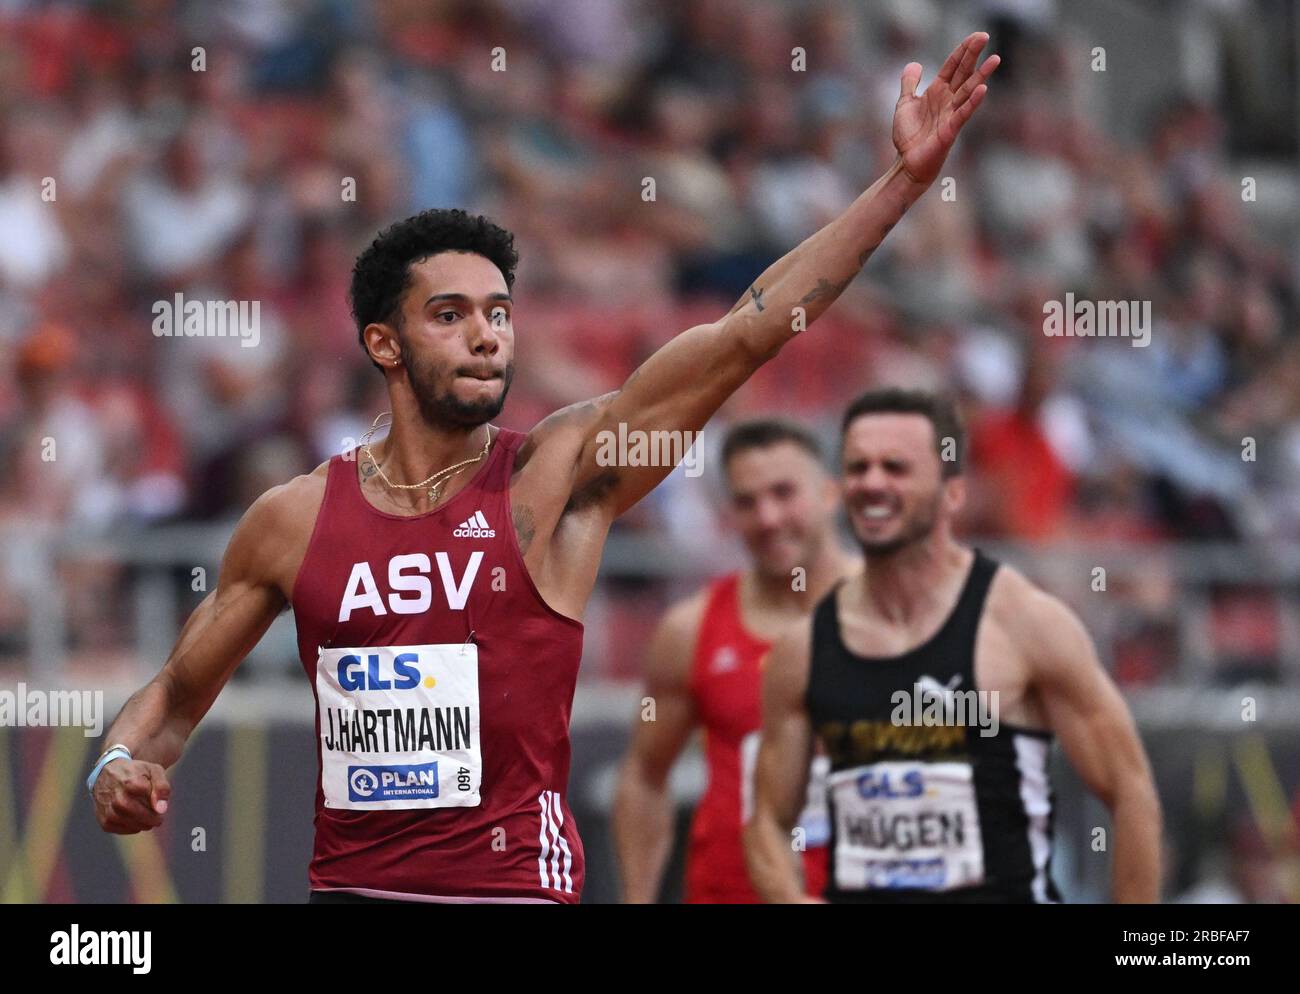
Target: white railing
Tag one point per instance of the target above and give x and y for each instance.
(153, 569)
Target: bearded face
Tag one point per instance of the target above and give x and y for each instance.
(892, 479)
(782, 504)
(884, 523)
(464, 396)
(455, 339)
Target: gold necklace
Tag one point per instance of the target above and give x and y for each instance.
(435, 491)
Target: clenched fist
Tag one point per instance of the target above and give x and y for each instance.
(131, 796)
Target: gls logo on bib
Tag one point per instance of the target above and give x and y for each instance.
(399, 726)
(356, 674)
(910, 783)
(906, 825)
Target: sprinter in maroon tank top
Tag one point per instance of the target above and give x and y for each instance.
(438, 577)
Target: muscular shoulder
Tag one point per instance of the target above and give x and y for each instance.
(1040, 625)
(285, 508)
(272, 537)
(563, 433)
(786, 668)
(672, 648)
(543, 494)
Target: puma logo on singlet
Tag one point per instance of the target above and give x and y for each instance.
(928, 685)
(408, 578)
(724, 660)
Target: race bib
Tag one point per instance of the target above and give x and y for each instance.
(399, 727)
(814, 819)
(906, 825)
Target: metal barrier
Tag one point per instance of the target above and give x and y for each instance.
(155, 574)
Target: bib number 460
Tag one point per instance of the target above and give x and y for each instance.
(462, 779)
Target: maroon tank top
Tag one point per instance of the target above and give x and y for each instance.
(443, 687)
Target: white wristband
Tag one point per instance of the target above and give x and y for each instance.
(113, 752)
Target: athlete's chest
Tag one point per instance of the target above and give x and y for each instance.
(873, 637)
(415, 640)
(1002, 667)
(984, 657)
(727, 686)
(433, 574)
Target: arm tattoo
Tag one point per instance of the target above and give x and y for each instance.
(582, 408)
(525, 528)
(824, 287)
(866, 253)
(755, 294)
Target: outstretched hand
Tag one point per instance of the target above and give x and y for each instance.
(925, 127)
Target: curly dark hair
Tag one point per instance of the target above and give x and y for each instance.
(383, 271)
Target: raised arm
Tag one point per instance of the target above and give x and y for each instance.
(256, 570)
(1097, 734)
(781, 773)
(643, 811)
(687, 380)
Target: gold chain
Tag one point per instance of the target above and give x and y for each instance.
(435, 490)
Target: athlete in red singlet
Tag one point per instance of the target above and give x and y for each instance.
(486, 659)
(439, 578)
(704, 670)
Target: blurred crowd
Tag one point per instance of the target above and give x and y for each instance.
(651, 159)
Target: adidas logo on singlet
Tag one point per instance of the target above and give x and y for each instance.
(475, 526)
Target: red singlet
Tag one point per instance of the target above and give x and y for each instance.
(726, 685)
(443, 761)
